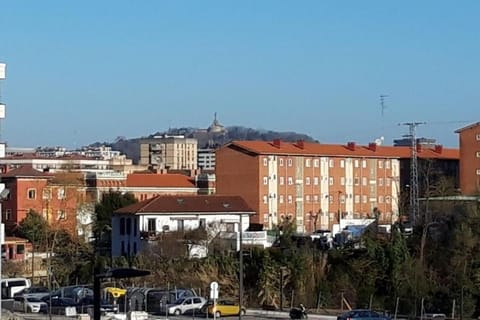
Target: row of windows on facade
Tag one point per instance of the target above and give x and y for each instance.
(61, 214)
(70, 166)
(331, 163)
(312, 216)
(127, 229)
(331, 180)
(331, 198)
(46, 194)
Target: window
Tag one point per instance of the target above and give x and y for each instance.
(265, 180)
(32, 194)
(307, 163)
(316, 163)
(290, 181)
(122, 226)
(281, 162)
(356, 163)
(380, 182)
(387, 164)
(388, 199)
(331, 198)
(356, 181)
(307, 198)
(315, 198)
(478, 172)
(478, 154)
(129, 226)
(364, 163)
(342, 181)
(152, 225)
(280, 199)
(342, 163)
(478, 136)
(61, 215)
(388, 181)
(364, 181)
(44, 213)
(8, 214)
(265, 162)
(307, 181)
(282, 181)
(180, 225)
(265, 199)
(330, 181)
(61, 193)
(342, 198)
(364, 199)
(380, 199)
(315, 181)
(289, 162)
(357, 198)
(331, 163)
(46, 194)
(290, 198)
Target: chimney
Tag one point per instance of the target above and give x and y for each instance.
(276, 143)
(419, 147)
(438, 148)
(301, 144)
(351, 146)
(372, 146)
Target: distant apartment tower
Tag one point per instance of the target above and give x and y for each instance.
(469, 137)
(169, 152)
(206, 159)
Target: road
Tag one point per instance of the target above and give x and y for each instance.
(251, 314)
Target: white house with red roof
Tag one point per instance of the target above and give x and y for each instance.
(133, 226)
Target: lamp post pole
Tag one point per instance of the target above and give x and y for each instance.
(240, 273)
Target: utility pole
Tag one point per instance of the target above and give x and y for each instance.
(414, 203)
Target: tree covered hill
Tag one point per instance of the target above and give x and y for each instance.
(206, 139)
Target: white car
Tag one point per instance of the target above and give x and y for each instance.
(188, 304)
(29, 304)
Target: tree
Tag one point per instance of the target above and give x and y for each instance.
(102, 225)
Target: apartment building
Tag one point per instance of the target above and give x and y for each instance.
(206, 159)
(469, 137)
(169, 152)
(314, 184)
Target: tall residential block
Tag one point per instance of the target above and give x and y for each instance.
(169, 152)
(469, 137)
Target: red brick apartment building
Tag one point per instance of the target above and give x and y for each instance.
(55, 196)
(469, 137)
(312, 183)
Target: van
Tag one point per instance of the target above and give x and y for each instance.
(11, 286)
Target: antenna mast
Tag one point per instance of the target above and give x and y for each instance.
(414, 203)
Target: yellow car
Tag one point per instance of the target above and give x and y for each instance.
(224, 308)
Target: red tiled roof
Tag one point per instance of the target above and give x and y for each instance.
(159, 180)
(471, 126)
(26, 171)
(320, 149)
(188, 204)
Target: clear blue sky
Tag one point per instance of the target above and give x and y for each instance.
(86, 71)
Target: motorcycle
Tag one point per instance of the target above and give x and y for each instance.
(298, 313)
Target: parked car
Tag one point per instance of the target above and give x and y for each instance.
(185, 305)
(363, 314)
(58, 304)
(29, 304)
(33, 292)
(223, 308)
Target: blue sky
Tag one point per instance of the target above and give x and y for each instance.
(86, 71)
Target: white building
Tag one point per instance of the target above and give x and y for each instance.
(134, 225)
(206, 159)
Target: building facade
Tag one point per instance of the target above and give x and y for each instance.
(206, 159)
(134, 225)
(469, 138)
(313, 184)
(169, 152)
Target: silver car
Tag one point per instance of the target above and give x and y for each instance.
(184, 305)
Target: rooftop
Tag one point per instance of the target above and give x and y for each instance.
(159, 180)
(188, 204)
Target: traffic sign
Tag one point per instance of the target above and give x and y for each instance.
(214, 290)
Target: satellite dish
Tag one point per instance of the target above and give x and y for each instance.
(379, 141)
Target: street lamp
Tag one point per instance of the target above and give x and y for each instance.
(112, 273)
